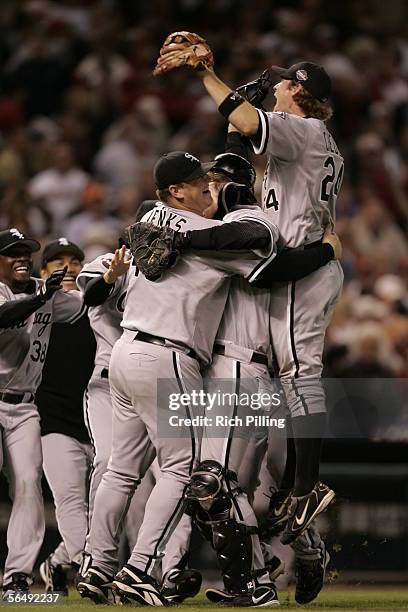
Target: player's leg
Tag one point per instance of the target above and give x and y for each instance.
(98, 419)
(178, 582)
(300, 313)
(176, 450)
(224, 446)
(23, 460)
(66, 463)
(132, 454)
(176, 455)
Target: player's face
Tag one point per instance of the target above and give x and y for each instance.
(196, 195)
(15, 265)
(284, 96)
(74, 268)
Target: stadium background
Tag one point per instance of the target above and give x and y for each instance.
(82, 122)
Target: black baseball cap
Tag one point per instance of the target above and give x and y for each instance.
(12, 236)
(57, 247)
(313, 77)
(179, 167)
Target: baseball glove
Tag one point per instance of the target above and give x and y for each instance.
(184, 49)
(256, 91)
(153, 248)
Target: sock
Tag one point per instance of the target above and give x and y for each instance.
(288, 478)
(308, 434)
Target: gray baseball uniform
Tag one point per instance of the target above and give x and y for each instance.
(244, 339)
(23, 348)
(105, 321)
(167, 333)
(301, 183)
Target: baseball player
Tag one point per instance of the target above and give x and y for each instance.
(240, 354)
(301, 183)
(28, 307)
(67, 452)
(104, 282)
(166, 335)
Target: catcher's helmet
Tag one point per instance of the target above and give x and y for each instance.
(236, 168)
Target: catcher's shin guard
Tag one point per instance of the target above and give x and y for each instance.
(212, 510)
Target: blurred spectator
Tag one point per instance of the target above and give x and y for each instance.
(58, 188)
(93, 221)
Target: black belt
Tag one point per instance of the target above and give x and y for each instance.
(13, 398)
(144, 337)
(256, 357)
(311, 245)
(105, 373)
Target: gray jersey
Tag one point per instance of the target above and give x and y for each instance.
(303, 175)
(185, 306)
(105, 319)
(245, 322)
(23, 347)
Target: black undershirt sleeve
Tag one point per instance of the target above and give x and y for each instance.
(17, 311)
(239, 144)
(235, 236)
(294, 264)
(97, 291)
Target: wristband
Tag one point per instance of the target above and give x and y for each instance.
(231, 102)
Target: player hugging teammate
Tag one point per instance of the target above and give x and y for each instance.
(208, 280)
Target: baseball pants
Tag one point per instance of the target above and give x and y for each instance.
(98, 420)
(135, 369)
(66, 463)
(229, 446)
(300, 312)
(20, 452)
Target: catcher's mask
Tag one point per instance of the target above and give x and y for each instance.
(236, 168)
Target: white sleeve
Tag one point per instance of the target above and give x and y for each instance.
(248, 264)
(93, 269)
(282, 135)
(4, 294)
(68, 306)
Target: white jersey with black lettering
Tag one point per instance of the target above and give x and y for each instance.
(23, 347)
(105, 319)
(303, 175)
(185, 305)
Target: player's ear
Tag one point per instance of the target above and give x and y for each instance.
(43, 273)
(176, 190)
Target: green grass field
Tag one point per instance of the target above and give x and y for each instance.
(352, 598)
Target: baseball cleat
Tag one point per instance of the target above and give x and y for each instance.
(134, 586)
(303, 510)
(96, 585)
(263, 596)
(177, 585)
(19, 584)
(54, 577)
(310, 577)
(218, 596)
(278, 514)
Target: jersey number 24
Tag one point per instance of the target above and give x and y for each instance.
(330, 182)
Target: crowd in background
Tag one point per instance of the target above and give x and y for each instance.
(82, 122)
